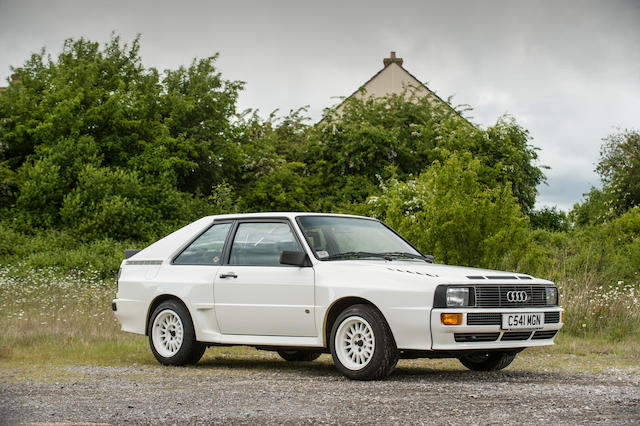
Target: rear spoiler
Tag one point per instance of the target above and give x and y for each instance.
(130, 252)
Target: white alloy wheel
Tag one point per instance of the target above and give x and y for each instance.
(355, 343)
(168, 333)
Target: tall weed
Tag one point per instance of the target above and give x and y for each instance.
(596, 269)
(61, 250)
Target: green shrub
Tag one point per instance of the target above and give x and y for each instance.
(549, 218)
(10, 240)
(108, 203)
(62, 251)
(41, 195)
(448, 212)
(120, 205)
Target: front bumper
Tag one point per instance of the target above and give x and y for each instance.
(492, 336)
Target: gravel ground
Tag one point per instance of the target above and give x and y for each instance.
(263, 389)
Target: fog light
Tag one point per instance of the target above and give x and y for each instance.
(451, 319)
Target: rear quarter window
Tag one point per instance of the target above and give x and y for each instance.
(207, 248)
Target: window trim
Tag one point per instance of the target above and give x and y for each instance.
(232, 235)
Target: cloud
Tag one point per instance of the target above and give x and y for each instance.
(567, 71)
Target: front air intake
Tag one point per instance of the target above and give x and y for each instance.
(476, 337)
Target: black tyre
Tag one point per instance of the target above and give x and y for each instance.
(293, 355)
(362, 345)
(487, 361)
(172, 337)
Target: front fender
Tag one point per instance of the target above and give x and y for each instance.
(405, 303)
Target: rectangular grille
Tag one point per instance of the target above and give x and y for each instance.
(488, 296)
(496, 296)
(516, 335)
(484, 318)
(551, 317)
(476, 337)
(547, 334)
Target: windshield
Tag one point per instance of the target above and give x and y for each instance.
(345, 237)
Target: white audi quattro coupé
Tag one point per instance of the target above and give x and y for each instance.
(303, 284)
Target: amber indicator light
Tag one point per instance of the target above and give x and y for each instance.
(451, 319)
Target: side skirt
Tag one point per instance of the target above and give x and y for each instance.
(413, 354)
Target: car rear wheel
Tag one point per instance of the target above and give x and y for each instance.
(487, 361)
(362, 345)
(172, 337)
(297, 355)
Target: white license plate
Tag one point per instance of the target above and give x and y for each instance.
(522, 320)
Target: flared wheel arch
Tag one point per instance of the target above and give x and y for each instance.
(156, 302)
(337, 307)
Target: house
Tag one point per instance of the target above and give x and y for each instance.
(393, 78)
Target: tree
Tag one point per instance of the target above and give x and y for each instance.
(619, 168)
(594, 209)
(272, 176)
(549, 218)
(447, 211)
(96, 114)
(76, 130)
(401, 135)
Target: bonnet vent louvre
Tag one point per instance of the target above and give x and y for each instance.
(496, 277)
(501, 277)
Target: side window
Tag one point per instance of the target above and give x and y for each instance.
(207, 249)
(260, 244)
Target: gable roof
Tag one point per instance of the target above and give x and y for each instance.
(393, 78)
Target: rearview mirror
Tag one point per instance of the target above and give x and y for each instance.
(295, 258)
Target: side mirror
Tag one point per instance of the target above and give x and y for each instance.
(295, 258)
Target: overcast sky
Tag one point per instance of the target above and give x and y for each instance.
(568, 71)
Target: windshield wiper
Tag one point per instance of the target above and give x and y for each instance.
(428, 258)
(359, 254)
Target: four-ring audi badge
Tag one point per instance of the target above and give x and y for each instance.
(517, 296)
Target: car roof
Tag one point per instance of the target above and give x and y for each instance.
(289, 215)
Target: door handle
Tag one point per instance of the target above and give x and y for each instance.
(229, 275)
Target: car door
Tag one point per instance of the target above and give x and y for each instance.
(192, 273)
(254, 294)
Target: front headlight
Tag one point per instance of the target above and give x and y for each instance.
(457, 296)
(551, 294)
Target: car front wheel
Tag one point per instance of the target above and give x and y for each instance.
(487, 361)
(362, 345)
(172, 337)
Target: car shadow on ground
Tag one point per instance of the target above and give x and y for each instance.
(325, 368)
(259, 364)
